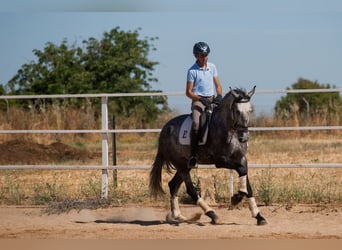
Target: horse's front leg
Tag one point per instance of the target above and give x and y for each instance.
(253, 206)
(245, 189)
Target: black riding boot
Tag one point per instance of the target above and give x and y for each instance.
(192, 163)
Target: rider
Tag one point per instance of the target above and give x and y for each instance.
(202, 81)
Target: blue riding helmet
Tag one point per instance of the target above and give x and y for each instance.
(201, 48)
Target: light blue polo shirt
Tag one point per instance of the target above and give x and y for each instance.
(203, 79)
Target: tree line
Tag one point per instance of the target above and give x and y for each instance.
(325, 107)
(118, 63)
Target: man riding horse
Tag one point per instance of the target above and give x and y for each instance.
(225, 145)
(202, 81)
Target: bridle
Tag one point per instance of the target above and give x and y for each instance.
(239, 128)
(239, 96)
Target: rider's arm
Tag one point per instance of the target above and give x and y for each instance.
(189, 93)
(218, 85)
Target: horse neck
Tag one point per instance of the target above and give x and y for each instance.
(222, 114)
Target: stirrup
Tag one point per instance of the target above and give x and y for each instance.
(192, 163)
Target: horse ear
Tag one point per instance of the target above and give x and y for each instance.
(251, 92)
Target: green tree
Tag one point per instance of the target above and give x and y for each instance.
(2, 90)
(57, 71)
(310, 106)
(2, 102)
(117, 63)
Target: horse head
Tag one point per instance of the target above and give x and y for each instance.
(239, 108)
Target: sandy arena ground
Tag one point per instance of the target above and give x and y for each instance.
(148, 222)
(299, 222)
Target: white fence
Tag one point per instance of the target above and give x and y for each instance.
(104, 131)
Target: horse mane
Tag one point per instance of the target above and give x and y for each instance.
(240, 90)
(229, 98)
(241, 93)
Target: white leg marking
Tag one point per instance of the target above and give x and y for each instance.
(176, 214)
(243, 184)
(253, 207)
(204, 205)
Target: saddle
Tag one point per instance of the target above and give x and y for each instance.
(185, 130)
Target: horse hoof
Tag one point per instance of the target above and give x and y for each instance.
(178, 219)
(216, 221)
(260, 220)
(237, 198)
(214, 218)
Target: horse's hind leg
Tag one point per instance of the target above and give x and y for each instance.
(192, 191)
(174, 186)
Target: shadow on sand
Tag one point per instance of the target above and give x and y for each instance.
(153, 222)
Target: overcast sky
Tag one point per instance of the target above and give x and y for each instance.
(269, 44)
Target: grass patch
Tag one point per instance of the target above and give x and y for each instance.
(266, 187)
(288, 186)
(271, 186)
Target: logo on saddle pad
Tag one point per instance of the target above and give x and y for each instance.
(185, 131)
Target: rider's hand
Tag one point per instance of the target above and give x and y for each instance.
(218, 99)
(206, 102)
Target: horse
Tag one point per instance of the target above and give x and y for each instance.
(225, 147)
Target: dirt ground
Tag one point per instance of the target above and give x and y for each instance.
(28, 152)
(148, 222)
(299, 222)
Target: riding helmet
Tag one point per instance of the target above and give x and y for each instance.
(201, 48)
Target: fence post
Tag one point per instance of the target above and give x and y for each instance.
(231, 183)
(104, 112)
(115, 171)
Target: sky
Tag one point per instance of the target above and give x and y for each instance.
(267, 43)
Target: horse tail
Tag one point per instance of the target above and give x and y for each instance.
(155, 185)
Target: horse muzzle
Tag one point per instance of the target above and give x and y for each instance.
(243, 136)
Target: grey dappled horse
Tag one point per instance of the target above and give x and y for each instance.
(225, 147)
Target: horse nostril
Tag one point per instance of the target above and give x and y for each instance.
(243, 137)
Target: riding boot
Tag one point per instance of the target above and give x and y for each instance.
(192, 163)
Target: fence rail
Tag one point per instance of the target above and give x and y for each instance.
(279, 91)
(157, 130)
(104, 131)
(146, 167)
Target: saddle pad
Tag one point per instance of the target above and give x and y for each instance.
(185, 131)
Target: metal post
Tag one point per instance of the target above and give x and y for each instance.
(115, 171)
(104, 110)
